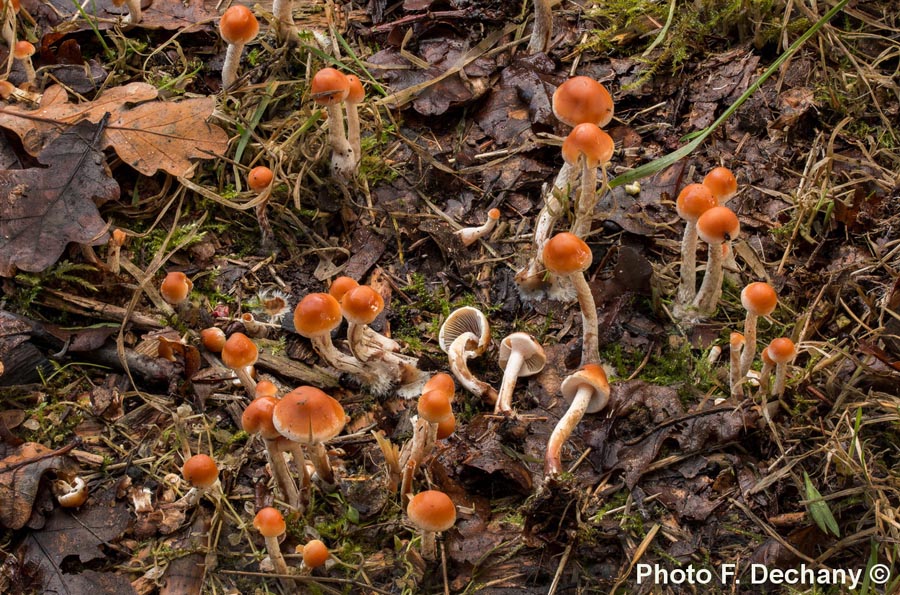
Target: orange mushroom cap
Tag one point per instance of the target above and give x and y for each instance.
(340, 286)
(357, 93)
(442, 382)
(693, 201)
(718, 225)
(200, 471)
(315, 553)
(265, 388)
(309, 416)
(434, 406)
(432, 510)
(239, 351)
(582, 99)
(782, 350)
(238, 25)
(329, 86)
(23, 49)
(213, 339)
(257, 418)
(317, 315)
(259, 178)
(446, 427)
(759, 298)
(766, 358)
(176, 287)
(269, 522)
(362, 305)
(722, 183)
(566, 253)
(588, 140)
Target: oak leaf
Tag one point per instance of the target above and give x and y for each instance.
(21, 470)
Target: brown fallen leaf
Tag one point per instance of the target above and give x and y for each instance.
(43, 209)
(155, 14)
(20, 473)
(148, 135)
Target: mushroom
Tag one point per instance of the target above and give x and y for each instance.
(589, 146)
(446, 427)
(587, 391)
(285, 28)
(759, 299)
(213, 339)
(257, 419)
(717, 227)
(692, 201)
(240, 353)
(360, 305)
(766, 371)
(310, 417)
(202, 473)
(466, 334)
(431, 512)
(354, 98)
(116, 241)
(23, 52)
(260, 181)
(520, 356)
(134, 15)
(433, 408)
(315, 554)
(782, 351)
(70, 494)
(269, 522)
(722, 183)
(566, 255)
(736, 342)
(342, 285)
(469, 235)
(543, 27)
(237, 27)
(329, 88)
(175, 289)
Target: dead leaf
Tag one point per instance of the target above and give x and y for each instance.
(155, 14)
(43, 209)
(20, 473)
(148, 135)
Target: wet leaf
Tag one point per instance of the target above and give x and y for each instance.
(43, 209)
(148, 135)
(20, 474)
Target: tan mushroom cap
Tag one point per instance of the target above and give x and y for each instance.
(23, 49)
(356, 93)
(721, 183)
(259, 178)
(340, 286)
(257, 418)
(308, 416)
(317, 315)
(442, 382)
(465, 320)
(736, 340)
(432, 510)
(213, 339)
(782, 350)
(176, 287)
(693, 201)
(239, 351)
(200, 471)
(593, 376)
(238, 25)
(269, 522)
(588, 140)
(759, 298)
(434, 406)
(362, 305)
(566, 253)
(533, 356)
(582, 99)
(718, 225)
(315, 553)
(329, 87)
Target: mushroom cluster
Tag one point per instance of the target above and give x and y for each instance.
(330, 88)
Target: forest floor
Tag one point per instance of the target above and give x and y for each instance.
(673, 474)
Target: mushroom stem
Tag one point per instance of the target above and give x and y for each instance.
(457, 354)
(564, 428)
(230, 67)
(590, 349)
(247, 381)
(406, 482)
(587, 200)
(543, 27)
(319, 457)
(429, 546)
(282, 475)
(353, 134)
(780, 379)
(687, 288)
(262, 217)
(508, 385)
(469, 235)
(300, 464)
(134, 11)
(337, 359)
(708, 297)
(764, 375)
(343, 161)
(285, 28)
(736, 375)
(274, 550)
(750, 346)
(422, 442)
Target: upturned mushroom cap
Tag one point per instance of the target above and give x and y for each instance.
(362, 305)
(269, 522)
(533, 356)
(315, 553)
(239, 351)
(566, 253)
(340, 286)
(259, 178)
(329, 86)
(592, 376)
(357, 93)
(432, 511)
(257, 418)
(317, 315)
(176, 287)
(759, 298)
(434, 406)
(582, 99)
(718, 225)
(238, 25)
(782, 350)
(213, 339)
(442, 382)
(588, 140)
(23, 49)
(721, 183)
(465, 320)
(200, 471)
(693, 201)
(308, 416)
(71, 495)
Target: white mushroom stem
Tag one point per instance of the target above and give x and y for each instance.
(262, 217)
(300, 465)
(590, 349)
(587, 200)
(274, 550)
(429, 546)
(193, 495)
(687, 287)
(708, 297)
(319, 457)
(422, 442)
(284, 20)
(338, 360)
(134, 11)
(508, 385)
(469, 235)
(353, 134)
(564, 428)
(764, 375)
(736, 375)
(458, 355)
(282, 474)
(343, 160)
(406, 482)
(750, 346)
(243, 374)
(780, 379)
(543, 27)
(376, 338)
(232, 60)
(532, 274)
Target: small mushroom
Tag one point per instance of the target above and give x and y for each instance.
(257, 419)
(431, 512)
(587, 391)
(270, 523)
(239, 354)
(202, 473)
(766, 371)
(24, 50)
(309, 416)
(722, 183)
(782, 351)
(566, 255)
(520, 356)
(469, 235)
(354, 98)
(759, 299)
(237, 27)
(736, 342)
(329, 89)
(341, 286)
(71, 494)
(466, 334)
(692, 201)
(213, 339)
(175, 289)
(587, 147)
(360, 305)
(433, 408)
(717, 227)
(260, 181)
(315, 554)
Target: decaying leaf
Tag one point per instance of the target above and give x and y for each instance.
(148, 135)
(43, 209)
(20, 473)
